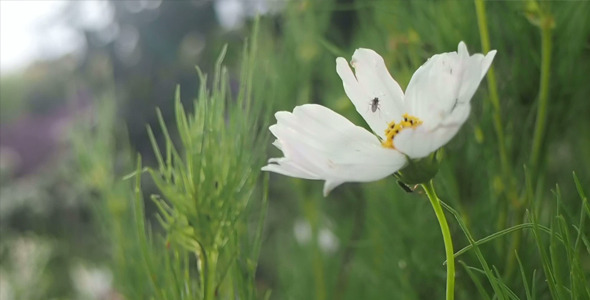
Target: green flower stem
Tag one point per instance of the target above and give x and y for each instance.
(540, 124)
(444, 228)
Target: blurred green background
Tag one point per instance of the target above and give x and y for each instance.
(73, 118)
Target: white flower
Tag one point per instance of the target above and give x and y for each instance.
(320, 144)
(327, 240)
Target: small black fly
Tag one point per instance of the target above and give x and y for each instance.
(374, 104)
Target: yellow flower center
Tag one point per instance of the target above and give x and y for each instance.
(394, 129)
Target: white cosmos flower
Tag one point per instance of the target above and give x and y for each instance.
(318, 143)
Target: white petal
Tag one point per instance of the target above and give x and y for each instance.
(487, 62)
(372, 81)
(329, 185)
(433, 88)
(320, 144)
(288, 168)
(420, 142)
(445, 82)
(417, 143)
(462, 50)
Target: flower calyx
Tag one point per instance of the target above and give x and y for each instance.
(420, 171)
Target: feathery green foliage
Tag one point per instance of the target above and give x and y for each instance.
(208, 189)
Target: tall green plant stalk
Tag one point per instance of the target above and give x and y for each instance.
(444, 227)
(544, 21)
(546, 24)
(210, 272)
(513, 198)
(493, 93)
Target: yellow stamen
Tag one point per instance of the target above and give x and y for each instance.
(393, 129)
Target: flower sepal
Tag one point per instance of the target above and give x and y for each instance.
(419, 171)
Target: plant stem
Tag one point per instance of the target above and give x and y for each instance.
(540, 123)
(546, 26)
(444, 228)
(210, 262)
(482, 23)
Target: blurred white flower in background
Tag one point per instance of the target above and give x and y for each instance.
(6, 292)
(327, 240)
(24, 268)
(92, 282)
(233, 13)
(318, 143)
